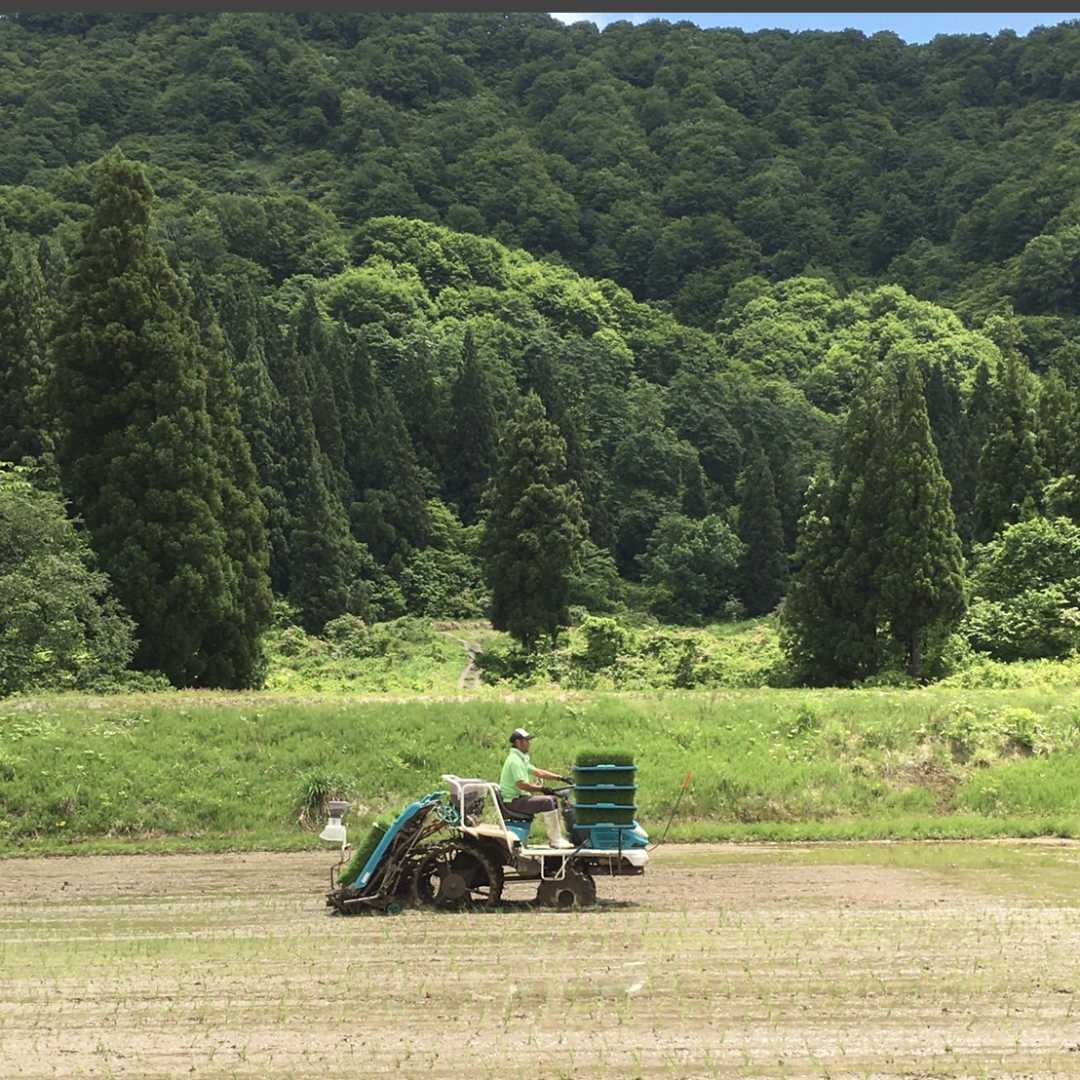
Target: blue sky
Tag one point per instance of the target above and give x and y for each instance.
(910, 25)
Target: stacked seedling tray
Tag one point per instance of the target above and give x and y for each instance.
(605, 808)
(363, 853)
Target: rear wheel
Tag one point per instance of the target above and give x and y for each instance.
(454, 875)
(575, 891)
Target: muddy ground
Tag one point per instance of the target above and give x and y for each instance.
(840, 960)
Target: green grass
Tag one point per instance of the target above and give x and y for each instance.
(208, 771)
(407, 655)
(414, 656)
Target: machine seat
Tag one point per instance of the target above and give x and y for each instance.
(510, 815)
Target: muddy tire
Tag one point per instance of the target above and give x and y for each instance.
(575, 891)
(454, 876)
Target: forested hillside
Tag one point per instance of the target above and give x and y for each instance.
(272, 288)
(674, 160)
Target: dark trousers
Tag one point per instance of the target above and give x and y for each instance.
(529, 805)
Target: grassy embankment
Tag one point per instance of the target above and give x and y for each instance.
(212, 771)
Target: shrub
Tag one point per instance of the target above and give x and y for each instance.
(1027, 592)
(1036, 623)
(444, 585)
(605, 639)
(348, 636)
(59, 626)
(317, 787)
(595, 583)
(510, 662)
(693, 566)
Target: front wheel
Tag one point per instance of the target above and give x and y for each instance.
(454, 876)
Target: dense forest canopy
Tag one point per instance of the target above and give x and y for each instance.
(364, 241)
(673, 159)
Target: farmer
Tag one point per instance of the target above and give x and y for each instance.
(521, 796)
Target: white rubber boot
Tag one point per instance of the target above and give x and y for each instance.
(553, 825)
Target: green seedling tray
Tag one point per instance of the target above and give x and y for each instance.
(614, 775)
(604, 813)
(622, 795)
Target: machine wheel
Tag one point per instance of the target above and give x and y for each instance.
(454, 875)
(577, 890)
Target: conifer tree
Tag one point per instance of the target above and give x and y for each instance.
(234, 654)
(250, 338)
(878, 549)
(976, 432)
(544, 376)
(945, 408)
(321, 355)
(534, 530)
(693, 499)
(811, 623)
(359, 432)
(1011, 473)
(1059, 425)
(920, 575)
(858, 511)
(330, 571)
(27, 429)
(473, 434)
(140, 458)
(764, 564)
(392, 516)
(321, 567)
(423, 405)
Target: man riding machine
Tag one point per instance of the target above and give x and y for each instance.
(521, 796)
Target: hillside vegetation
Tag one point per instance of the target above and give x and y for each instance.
(380, 317)
(672, 159)
(204, 771)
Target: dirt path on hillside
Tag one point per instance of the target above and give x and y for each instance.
(469, 679)
(723, 960)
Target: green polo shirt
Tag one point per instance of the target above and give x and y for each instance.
(516, 767)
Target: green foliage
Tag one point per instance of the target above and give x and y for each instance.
(693, 566)
(812, 617)
(474, 435)
(607, 757)
(605, 654)
(157, 475)
(445, 580)
(763, 570)
(61, 628)
(444, 585)
(1011, 473)
(922, 575)
(595, 583)
(1027, 591)
(234, 645)
(533, 531)
(674, 160)
(879, 555)
(605, 639)
(315, 788)
(363, 851)
(405, 654)
(200, 770)
(27, 428)
(786, 245)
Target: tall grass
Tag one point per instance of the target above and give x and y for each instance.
(252, 771)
